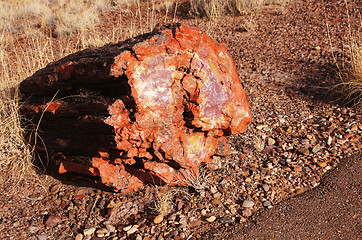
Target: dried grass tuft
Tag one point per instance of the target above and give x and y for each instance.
(15, 157)
(351, 77)
(349, 66)
(216, 8)
(164, 201)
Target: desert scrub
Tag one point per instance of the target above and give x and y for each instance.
(353, 83)
(164, 201)
(15, 157)
(349, 65)
(350, 74)
(216, 8)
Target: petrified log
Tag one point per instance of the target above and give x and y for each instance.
(150, 109)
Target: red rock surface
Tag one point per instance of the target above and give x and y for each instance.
(166, 102)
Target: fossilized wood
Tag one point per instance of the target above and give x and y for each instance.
(150, 109)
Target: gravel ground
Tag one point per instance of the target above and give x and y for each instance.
(330, 211)
(284, 59)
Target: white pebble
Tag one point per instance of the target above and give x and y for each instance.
(248, 204)
(211, 219)
(89, 231)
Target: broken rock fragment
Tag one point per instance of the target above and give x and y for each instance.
(150, 109)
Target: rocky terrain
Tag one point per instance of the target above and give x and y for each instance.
(300, 131)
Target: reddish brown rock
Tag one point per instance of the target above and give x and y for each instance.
(150, 109)
(52, 220)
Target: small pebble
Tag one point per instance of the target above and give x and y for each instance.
(42, 236)
(79, 236)
(247, 212)
(158, 219)
(322, 164)
(133, 229)
(271, 141)
(101, 232)
(183, 221)
(297, 168)
(172, 217)
(267, 204)
(52, 220)
(266, 187)
(227, 219)
(16, 224)
(303, 150)
(127, 228)
(211, 219)
(110, 228)
(248, 204)
(89, 231)
(233, 209)
(107, 223)
(216, 201)
(316, 149)
(32, 229)
(111, 204)
(213, 190)
(55, 189)
(248, 180)
(330, 140)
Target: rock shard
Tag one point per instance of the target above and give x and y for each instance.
(148, 110)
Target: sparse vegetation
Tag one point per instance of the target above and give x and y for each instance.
(354, 84)
(350, 73)
(164, 199)
(198, 181)
(163, 203)
(15, 158)
(349, 66)
(216, 8)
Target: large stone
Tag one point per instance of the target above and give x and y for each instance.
(150, 109)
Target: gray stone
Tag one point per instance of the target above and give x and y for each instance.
(227, 219)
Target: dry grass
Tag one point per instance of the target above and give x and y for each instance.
(349, 66)
(34, 33)
(198, 181)
(165, 199)
(350, 74)
(15, 158)
(352, 77)
(216, 8)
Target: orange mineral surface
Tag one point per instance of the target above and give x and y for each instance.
(164, 103)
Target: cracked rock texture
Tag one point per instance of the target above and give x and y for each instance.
(150, 109)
